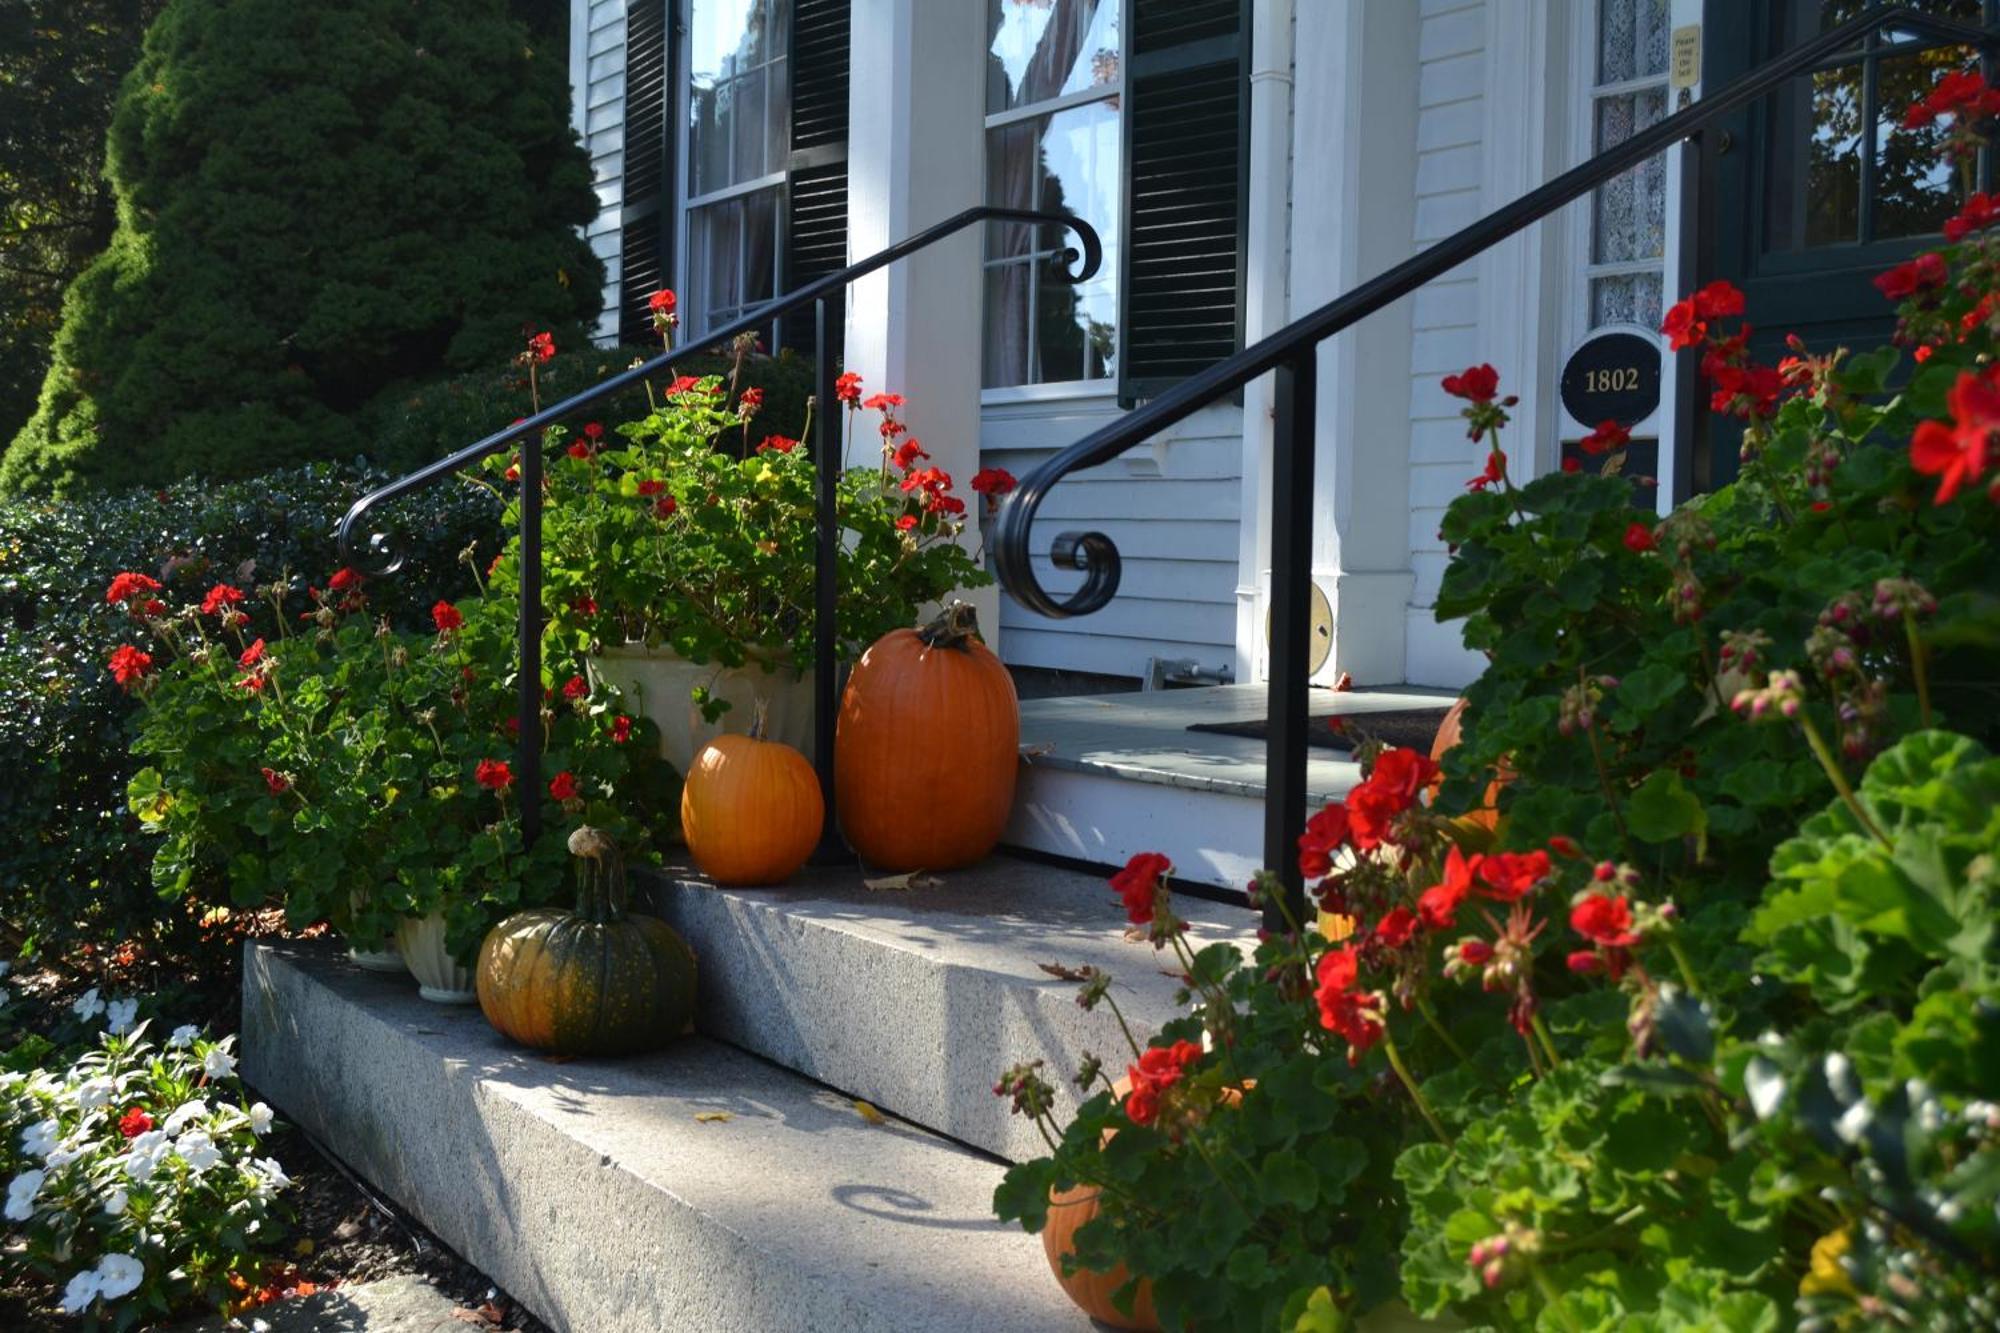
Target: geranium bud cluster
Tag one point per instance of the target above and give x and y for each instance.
(1499, 1257)
(1899, 597)
(1580, 702)
(1031, 1094)
(1743, 650)
(1783, 694)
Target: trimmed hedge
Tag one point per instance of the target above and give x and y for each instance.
(313, 201)
(74, 868)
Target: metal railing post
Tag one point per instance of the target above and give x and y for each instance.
(829, 317)
(1294, 403)
(529, 686)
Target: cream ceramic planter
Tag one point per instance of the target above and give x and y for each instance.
(439, 977)
(378, 960)
(660, 684)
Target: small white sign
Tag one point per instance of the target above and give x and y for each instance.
(1686, 60)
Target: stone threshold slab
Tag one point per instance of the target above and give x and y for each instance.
(917, 999)
(591, 1192)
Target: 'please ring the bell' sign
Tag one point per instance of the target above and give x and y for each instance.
(1612, 377)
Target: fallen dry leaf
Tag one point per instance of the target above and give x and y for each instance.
(915, 879)
(869, 1113)
(1061, 973)
(713, 1117)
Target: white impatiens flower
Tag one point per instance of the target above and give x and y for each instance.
(144, 1154)
(120, 1015)
(62, 1155)
(260, 1119)
(198, 1150)
(87, 1005)
(119, 1275)
(193, 1109)
(93, 1093)
(11, 1080)
(272, 1176)
(21, 1192)
(183, 1037)
(114, 1202)
(218, 1063)
(40, 1138)
(81, 1291)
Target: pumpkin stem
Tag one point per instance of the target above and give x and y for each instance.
(601, 879)
(956, 627)
(760, 715)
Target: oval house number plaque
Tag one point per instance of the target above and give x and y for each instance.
(1612, 377)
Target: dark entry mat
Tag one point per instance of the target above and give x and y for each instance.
(1398, 728)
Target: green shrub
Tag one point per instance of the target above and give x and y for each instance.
(73, 865)
(314, 200)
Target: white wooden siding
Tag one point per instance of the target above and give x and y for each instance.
(1173, 511)
(597, 84)
(1451, 130)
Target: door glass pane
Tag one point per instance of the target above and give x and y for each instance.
(1044, 48)
(1631, 212)
(1631, 39)
(1813, 175)
(1065, 161)
(1626, 298)
(1915, 188)
(735, 51)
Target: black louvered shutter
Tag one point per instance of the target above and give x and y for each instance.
(816, 171)
(1187, 118)
(645, 222)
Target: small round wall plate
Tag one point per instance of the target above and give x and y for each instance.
(1320, 622)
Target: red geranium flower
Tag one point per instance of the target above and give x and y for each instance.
(1565, 846)
(1478, 384)
(1496, 470)
(660, 301)
(579, 449)
(1439, 904)
(777, 444)
(575, 687)
(563, 786)
(1509, 876)
(585, 605)
(1924, 273)
(907, 453)
(750, 399)
(446, 617)
(275, 782)
(1980, 212)
(1403, 771)
(1609, 435)
(665, 506)
(651, 487)
(1682, 328)
(1639, 538)
(220, 598)
(1396, 927)
(1138, 884)
(1718, 300)
(342, 580)
(882, 402)
(493, 774)
(1159, 1069)
(683, 384)
(1354, 1017)
(847, 389)
(1475, 952)
(621, 729)
(1585, 962)
(129, 664)
(1957, 454)
(124, 587)
(1325, 832)
(251, 655)
(907, 522)
(993, 481)
(542, 346)
(134, 1122)
(1604, 920)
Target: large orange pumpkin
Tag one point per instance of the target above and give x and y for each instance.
(1449, 733)
(751, 809)
(926, 746)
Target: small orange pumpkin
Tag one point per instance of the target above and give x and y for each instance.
(751, 808)
(925, 750)
(1091, 1290)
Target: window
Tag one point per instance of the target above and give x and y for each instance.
(738, 123)
(1628, 223)
(1055, 82)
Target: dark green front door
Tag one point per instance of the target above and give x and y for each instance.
(1819, 188)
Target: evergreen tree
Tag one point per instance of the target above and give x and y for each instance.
(314, 200)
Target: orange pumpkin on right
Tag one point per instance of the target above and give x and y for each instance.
(1091, 1290)
(926, 746)
(1448, 735)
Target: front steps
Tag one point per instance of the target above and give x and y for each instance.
(590, 1191)
(1109, 775)
(916, 999)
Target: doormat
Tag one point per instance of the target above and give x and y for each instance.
(1398, 728)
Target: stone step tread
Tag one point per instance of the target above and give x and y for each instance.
(916, 999)
(592, 1192)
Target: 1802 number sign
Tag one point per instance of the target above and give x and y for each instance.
(1612, 377)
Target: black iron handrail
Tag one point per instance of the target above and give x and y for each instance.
(1292, 353)
(378, 555)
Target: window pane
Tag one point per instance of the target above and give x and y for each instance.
(1629, 298)
(1813, 177)
(1068, 160)
(1631, 212)
(735, 51)
(1044, 48)
(1631, 39)
(732, 258)
(1915, 188)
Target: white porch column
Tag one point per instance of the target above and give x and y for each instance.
(915, 156)
(1353, 215)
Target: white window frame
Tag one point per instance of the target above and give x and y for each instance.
(1034, 390)
(687, 204)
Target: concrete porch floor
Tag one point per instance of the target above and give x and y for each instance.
(1109, 775)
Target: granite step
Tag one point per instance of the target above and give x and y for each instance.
(701, 1188)
(916, 999)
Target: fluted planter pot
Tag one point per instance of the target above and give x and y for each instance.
(659, 684)
(376, 955)
(439, 976)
